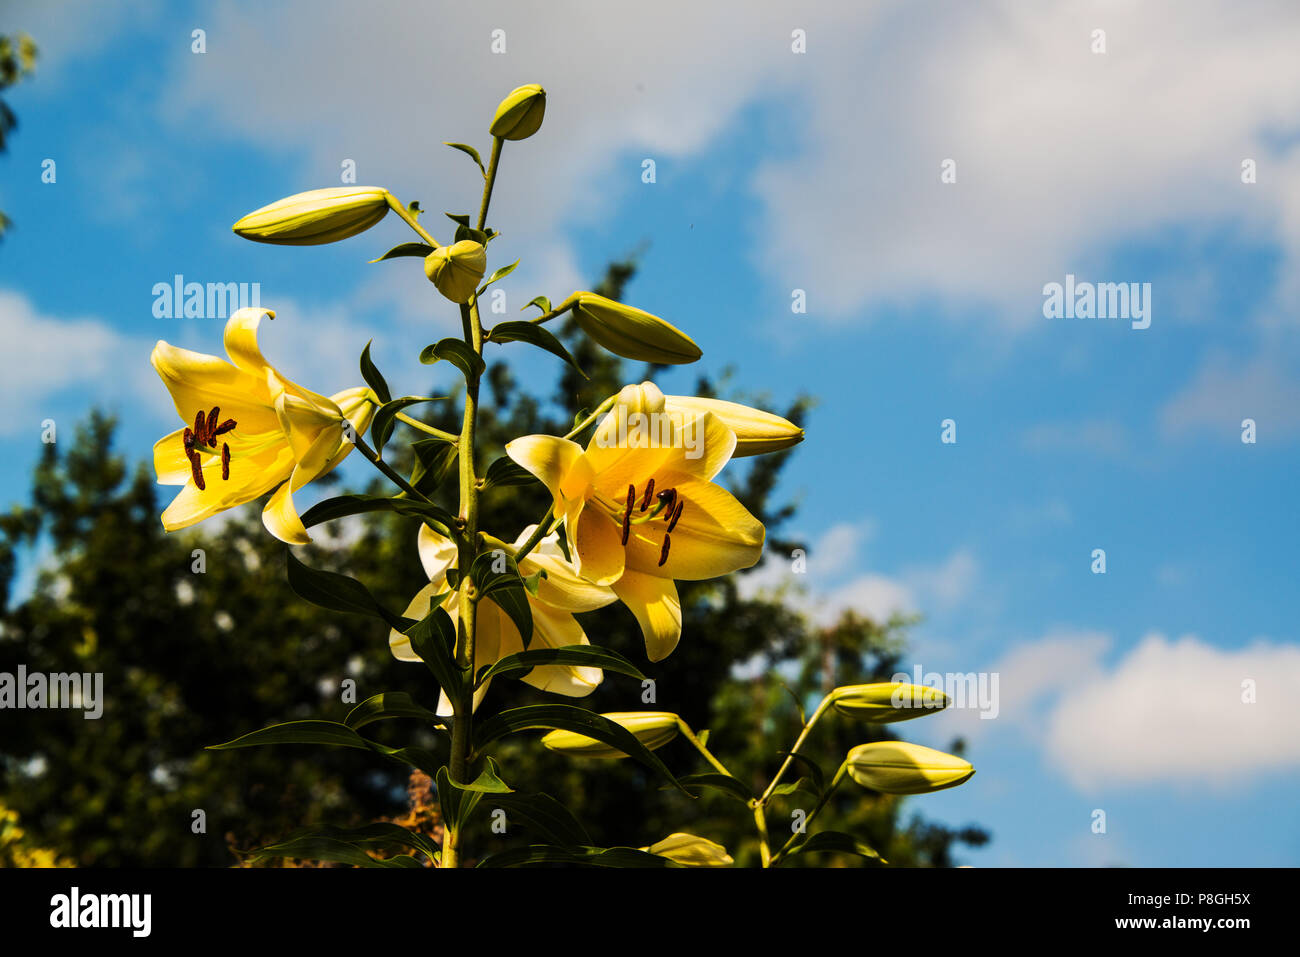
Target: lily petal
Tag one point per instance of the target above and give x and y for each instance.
(555, 629)
(657, 607)
(716, 535)
(597, 547)
(280, 515)
(437, 554)
(546, 456)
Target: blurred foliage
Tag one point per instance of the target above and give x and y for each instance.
(17, 60)
(191, 659)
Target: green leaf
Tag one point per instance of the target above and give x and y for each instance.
(802, 784)
(837, 841)
(381, 427)
(472, 154)
(818, 781)
(372, 375)
(318, 848)
(377, 836)
(541, 302)
(457, 801)
(504, 472)
(433, 461)
(533, 334)
(405, 249)
(505, 587)
(458, 354)
(461, 219)
(722, 783)
(298, 732)
(343, 505)
(337, 592)
(389, 704)
(499, 274)
(585, 656)
(566, 717)
(582, 856)
(433, 638)
(479, 236)
(545, 815)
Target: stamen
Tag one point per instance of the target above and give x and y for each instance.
(649, 491)
(663, 554)
(667, 497)
(677, 513)
(196, 469)
(225, 462)
(188, 438)
(224, 427)
(211, 429)
(627, 513)
(200, 428)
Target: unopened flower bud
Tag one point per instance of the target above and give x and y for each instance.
(756, 431)
(653, 729)
(520, 114)
(631, 333)
(888, 701)
(316, 216)
(457, 269)
(691, 851)
(897, 767)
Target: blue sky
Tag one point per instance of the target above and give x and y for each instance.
(778, 171)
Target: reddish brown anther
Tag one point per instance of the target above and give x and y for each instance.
(224, 427)
(188, 438)
(200, 428)
(663, 553)
(196, 469)
(649, 493)
(677, 513)
(225, 462)
(210, 430)
(666, 498)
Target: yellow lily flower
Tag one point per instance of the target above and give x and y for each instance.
(559, 594)
(641, 509)
(251, 430)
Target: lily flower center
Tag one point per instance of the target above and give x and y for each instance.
(202, 440)
(639, 510)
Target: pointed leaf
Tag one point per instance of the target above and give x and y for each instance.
(458, 354)
(545, 815)
(837, 841)
(337, 592)
(583, 856)
(541, 302)
(471, 153)
(569, 718)
(381, 427)
(505, 471)
(405, 249)
(297, 732)
(340, 506)
(389, 704)
(372, 375)
(582, 656)
(533, 334)
(722, 783)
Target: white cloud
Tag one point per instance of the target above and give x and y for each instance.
(830, 586)
(1168, 711)
(1225, 391)
(52, 358)
(1060, 151)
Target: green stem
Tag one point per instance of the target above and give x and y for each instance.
(821, 709)
(373, 457)
(538, 534)
(548, 316)
(491, 180)
(591, 419)
(395, 204)
(425, 427)
(760, 822)
(690, 736)
(807, 822)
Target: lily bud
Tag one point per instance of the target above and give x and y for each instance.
(520, 114)
(456, 269)
(691, 851)
(316, 216)
(644, 398)
(888, 701)
(631, 333)
(897, 767)
(756, 431)
(654, 729)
